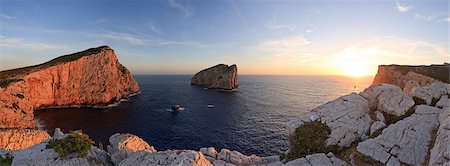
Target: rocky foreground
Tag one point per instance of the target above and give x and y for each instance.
(217, 77)
(405, 121)
(90, 77)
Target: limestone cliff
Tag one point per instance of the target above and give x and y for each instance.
(400, 74)
(90, 77)
(218, 77)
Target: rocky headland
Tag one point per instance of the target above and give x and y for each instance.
(220, 76)
(91, 77)
(401, 120)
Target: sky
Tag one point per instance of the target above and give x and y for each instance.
(288, 37)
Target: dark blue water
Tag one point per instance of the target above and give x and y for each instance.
(251, 120)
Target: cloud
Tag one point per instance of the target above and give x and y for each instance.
(310, 30)
(4, 16)
(122, 37)
(274, 25)
(435, 17)
(19, 43)
(403, 7)
(237, 11)
(288, 48)
(98, 21)
(185, 8)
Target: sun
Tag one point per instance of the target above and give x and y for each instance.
(356, 69)
(356, 62)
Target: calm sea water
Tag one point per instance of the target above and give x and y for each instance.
(251, 120)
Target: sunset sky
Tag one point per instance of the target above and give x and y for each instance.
(261, 37)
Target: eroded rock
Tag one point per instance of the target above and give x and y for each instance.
(347, 117)
(167, 158)
(440, 153)
(387, 98)
(41, 155)
(91, 77)
(218, 77)
(433, 91)
(407, 140)
(443, 102)
(317, 159)
(238, 158)
(15, 139)
(123, 145)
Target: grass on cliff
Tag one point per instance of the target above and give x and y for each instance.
(6, 161)
(9, 76)
(309, 138)
(75, 142)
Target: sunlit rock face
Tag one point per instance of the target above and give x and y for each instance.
(218, 77)
(90, 77)
(15, 139)
(400, 74)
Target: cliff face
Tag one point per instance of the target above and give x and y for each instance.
(218, 77)
(90, 77)
(400, 74)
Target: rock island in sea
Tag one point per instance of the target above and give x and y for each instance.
(403, 118)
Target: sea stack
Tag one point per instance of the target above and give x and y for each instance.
(220, 76)
(91, 77)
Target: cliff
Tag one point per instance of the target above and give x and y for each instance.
(90, 77)
(400, 74)
(217, 77)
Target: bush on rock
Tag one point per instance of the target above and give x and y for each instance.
(75, 142)
(309, 138)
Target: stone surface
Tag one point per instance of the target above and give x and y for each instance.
(218, 77)
(40, 155)
(433, 91)
(317, 159)
(410, 85)
(238, 158)
(347, 117)
(443, 102)
(92, 77)
(167, 158)
(424, 75)
(387, 98)
(124, 145)
(379, 116)
(376, 126)
(440, 153)
(406, 140)
(15, 139)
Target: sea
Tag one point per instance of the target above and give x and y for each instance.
(251, 119)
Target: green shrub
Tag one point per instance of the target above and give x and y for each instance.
(308, 139)
(6, 161)
(75, 142)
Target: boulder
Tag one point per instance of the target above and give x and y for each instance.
(15, 139)
(388, 98)
(410, 85)
(211, 152)
(440, 153)
(218, 77)
(376, 126)
(347, 117)
(406, 140)
(443, 102)
(238, 158)
(379, 116)
(166, 158)
(123, 145)
(433, 91)
(317, 159)
(41, 155)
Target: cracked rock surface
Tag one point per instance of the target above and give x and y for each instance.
(440, 153)
(407, 140)
(123, 145)
(167, 158)
(347, 117)
(387, 98)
